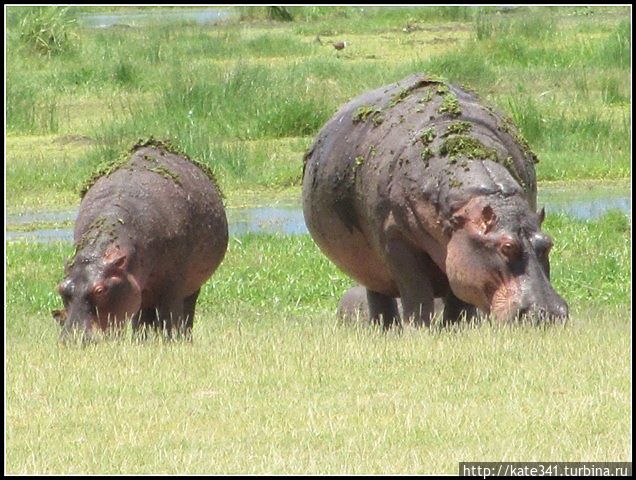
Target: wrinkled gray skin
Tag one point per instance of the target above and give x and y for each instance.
(147, 237)
(405, 215)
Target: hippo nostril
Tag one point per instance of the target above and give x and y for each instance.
(561, 312)
(564, 311)
(541, 314)
(533, 314)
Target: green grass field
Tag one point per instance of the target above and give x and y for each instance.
(272, 383)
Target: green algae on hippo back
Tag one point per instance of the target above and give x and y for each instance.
(443, 120)
(437, 200)
(123, 161)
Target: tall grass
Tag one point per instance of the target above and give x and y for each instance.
(373, 20)
(548, 125)
(584, 272)
(212, 88)
(461, 68)
(273, 393)
(612, 92)
(33, 111)
(47, 30)
(279, 13)
(248, 102)
(534, 25)
(615, 50)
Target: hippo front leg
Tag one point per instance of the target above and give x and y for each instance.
(143, 321)
(382, 309)
(410, 269)
(455, 309)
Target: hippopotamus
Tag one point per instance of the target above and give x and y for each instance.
(353, 306)
(151, 229)
(419, 190)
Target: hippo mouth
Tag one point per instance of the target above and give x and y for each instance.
(502, 300)
(539, 316)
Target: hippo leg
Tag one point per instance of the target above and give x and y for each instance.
(143, 321)
(382, 309)
(410, 269)
(189, 303)
(455, 309)
(170, 314)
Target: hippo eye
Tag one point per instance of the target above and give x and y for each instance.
(99, 290)
(510, 249)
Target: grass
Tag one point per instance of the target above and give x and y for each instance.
(47, 31)
(563, 76)
(300, 394)
(273, 384)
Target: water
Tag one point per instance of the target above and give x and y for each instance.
(585, 201)
(589, 209)
(153, 16)
(584, 204)
(286, 220)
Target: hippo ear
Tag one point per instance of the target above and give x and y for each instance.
(59, 316)
(476, 216)
(480, 222)
(116, 261)
(541, 215)
(488, 219)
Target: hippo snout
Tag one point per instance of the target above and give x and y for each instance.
(557, 311)
(561, 312)
(77, 335)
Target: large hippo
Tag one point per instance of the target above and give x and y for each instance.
(149, 232)
(418, 190)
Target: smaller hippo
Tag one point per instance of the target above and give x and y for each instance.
(354, 306)
(150, 231)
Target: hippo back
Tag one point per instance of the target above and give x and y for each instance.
(422, 119)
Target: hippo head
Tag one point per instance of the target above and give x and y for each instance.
(99, 294)
(497, 260)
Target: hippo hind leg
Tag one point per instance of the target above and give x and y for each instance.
(382, 309)
(185, 326)
(176, 317)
